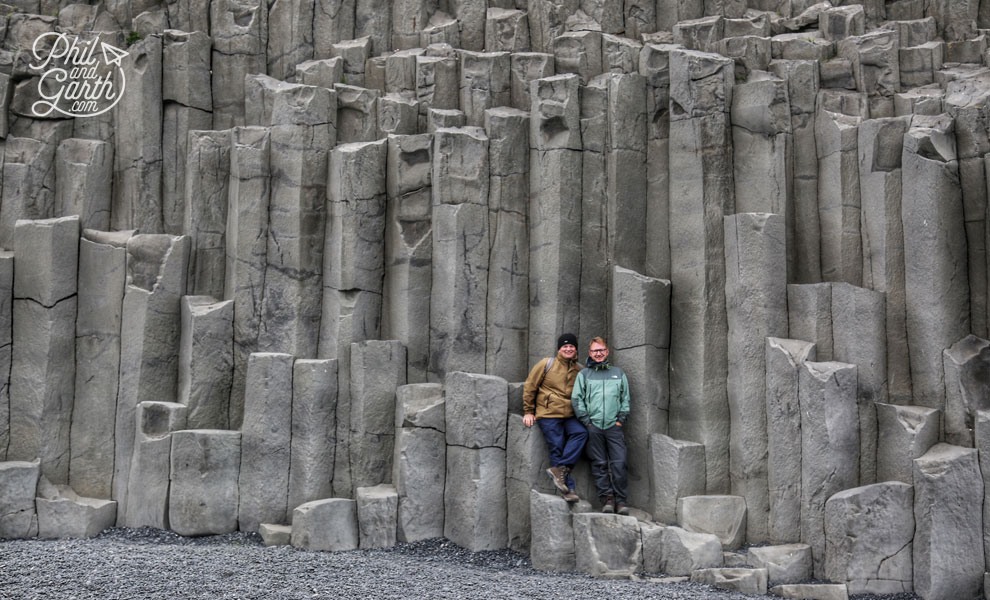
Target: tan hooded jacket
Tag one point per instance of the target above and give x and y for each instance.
(549, 396)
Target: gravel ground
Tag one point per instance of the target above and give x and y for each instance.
(151, 563)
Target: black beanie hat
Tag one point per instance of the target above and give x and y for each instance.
(566, 338)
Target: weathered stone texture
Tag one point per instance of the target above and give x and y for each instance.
(199, 505)
(314, 431)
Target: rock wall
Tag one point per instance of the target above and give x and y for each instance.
(310, 250)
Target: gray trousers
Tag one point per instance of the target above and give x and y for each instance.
(606, 449)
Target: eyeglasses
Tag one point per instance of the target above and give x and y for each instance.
(598, 351)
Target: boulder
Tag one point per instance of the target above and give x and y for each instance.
(607, 546)
(275, 535)
(812, 591)
(684, 551)
(71, 516)
(376, 511)
(747, 581)
(330, 524)
(787, 563)
(723, 516)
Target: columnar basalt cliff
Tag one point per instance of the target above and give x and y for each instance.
(288, 273)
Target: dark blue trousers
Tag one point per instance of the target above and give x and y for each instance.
(565, 438)
(607, 450)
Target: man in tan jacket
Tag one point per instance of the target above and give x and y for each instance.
(547, 401)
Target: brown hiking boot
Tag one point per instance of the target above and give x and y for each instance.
(559, 476)
(609, 506)
(571, 496)
(622, 508)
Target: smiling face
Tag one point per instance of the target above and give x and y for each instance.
(568, 351)
(598, 352)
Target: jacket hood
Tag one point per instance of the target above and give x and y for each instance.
(593, 364)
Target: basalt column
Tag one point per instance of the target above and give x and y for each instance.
(460, 251)
(353, 274)
(555, 211)
(102, 275)
(188, 105)
(881, 143)
(137, 167)
(207, 184)
(700, 196)
(246, 245)
(303, 131)
(42, 376)
(149, 341)
(508, 272)
(936, 285)
(756, 303)
(409, 249)
(239, 29)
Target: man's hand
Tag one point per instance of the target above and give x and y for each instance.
(528, 420)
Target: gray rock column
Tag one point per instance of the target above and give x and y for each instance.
(508, 272)
(678, 470)
(506, 30)
(625, 167)
(408, 249)
(981, 435)
(102, 275)
(955, 19)
(839, 197)
(188, 106)
(484, 84)
(206, 361)
(547, 20)
(419, 463)
(247, 246)
(376, 510)
(802, 79)
(526, 463)
(936, 282)
(290, 35)
(28, 184)
(303, 131)
(966, 101)
(948, 532)
(474, 492)
(200, 505)
(880, 146)
(858, 337)
(525, 68)
(608, 546)
(437, 85)
(377, 369)
(83, 174)
(762, 157)
(555, 213)
(149, 340)
(829, 446)
(148, 481)
(239, 29)
(354, 54)
(640, 340)
(373, 18)
(784, 359)
(314, 430)
(868, 533)
(461, 250)
(137, 166)
(654, 64)
(700, 196)
(42, 373)
(595, 255)
(353, 272)
(357, 114)
(552, 547)
(408, 19)
(904, 434)
(333, 21)
(809, 315)
(17, 499)
(6, 340)
(578, 52)
(756, 307)
(263, 481)
(206, 205)
(967, 376)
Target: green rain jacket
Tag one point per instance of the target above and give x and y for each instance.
(601, 395)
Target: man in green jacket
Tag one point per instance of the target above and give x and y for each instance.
(601, 402)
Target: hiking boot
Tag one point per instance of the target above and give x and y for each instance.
(609, 505)
(571, 496)
(622, 508)
(559, 476)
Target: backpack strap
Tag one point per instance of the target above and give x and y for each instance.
(546, 369)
